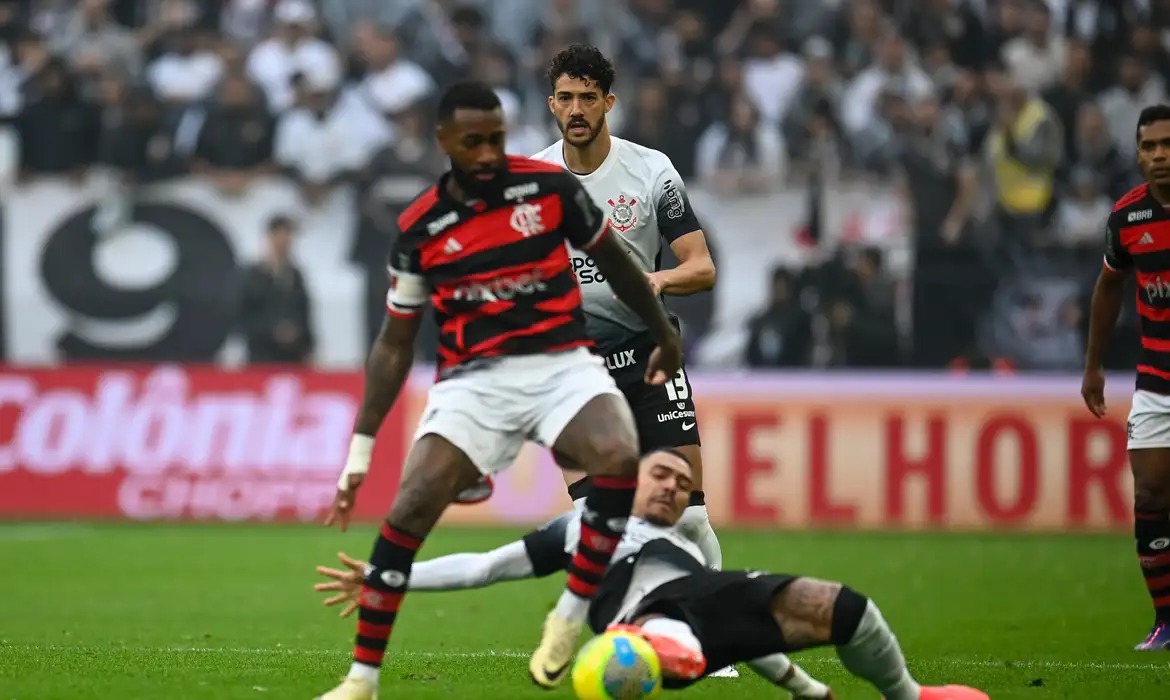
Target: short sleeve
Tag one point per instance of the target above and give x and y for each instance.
(1117, 258)
(582, 222)
(409, 291)
(676, 217)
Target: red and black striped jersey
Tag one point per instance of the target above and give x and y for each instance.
(497, 272)
(1137, 236)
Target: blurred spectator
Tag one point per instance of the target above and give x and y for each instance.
(1079, 215)
(58, 128)
(93, 42)
(324, 141)
(235, 141)
(659, 124)
(771, 76)
(820, 89)
(187, 67)
(1024, 148)
(1093, 150)
(1136, 88)
(781, 334)
(391, 83)
(1068, 94)
(963, 33)
(293, 49)
(133, 143)
(741, 155)
(274, 304)
(1036, 58)
(894, 66)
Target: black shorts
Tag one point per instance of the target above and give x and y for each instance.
(547, 545)
(729, 611)
(663, 415)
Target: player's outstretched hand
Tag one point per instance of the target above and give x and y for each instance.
(343, 504)
(665, 362)
(1093, 391)
(348, 584)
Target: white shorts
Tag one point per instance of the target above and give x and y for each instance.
(490, 413)
(1149, 421)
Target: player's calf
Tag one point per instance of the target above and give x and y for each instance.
(435, 471)
(1151, 471)
(813, 613)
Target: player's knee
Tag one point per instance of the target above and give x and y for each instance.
(804, 611)
(1151, 491)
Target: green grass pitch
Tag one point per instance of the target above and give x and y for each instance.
(227, 612)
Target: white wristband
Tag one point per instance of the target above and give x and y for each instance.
(361, 450)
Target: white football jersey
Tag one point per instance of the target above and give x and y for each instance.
(638, 533)
(647, 204)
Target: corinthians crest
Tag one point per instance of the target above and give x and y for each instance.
(623, 217)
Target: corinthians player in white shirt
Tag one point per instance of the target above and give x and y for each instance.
(695, 618)
(548, 549)
(645, 199)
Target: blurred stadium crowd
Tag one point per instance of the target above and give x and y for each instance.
(1006, 124)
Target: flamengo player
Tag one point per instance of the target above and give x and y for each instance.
(1137, 237)
(647, 204)
(696, 618)
(486, 247)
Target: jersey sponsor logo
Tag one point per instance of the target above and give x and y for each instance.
(1157, 288)
(675, 415)
(1146, 239)
(527, 220)
(518, 192)
(443, 222)
(585, 268)
(687, 426)
(675, 207)
(622, 215)
(502, 288)
(1160, 543)
(620, 360)
(452, 246)
(1140, 215)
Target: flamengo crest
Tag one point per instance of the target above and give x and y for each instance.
(623, 217)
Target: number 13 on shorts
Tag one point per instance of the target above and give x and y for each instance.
(676, 388)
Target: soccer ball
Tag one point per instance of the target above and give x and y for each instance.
(616, 666)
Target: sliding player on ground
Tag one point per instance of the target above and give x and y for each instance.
(542, 552)
(660, 588)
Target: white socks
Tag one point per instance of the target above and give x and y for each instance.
(696, 527)
(779, 669)
(364, 672)
(571, 606)
(874, 654)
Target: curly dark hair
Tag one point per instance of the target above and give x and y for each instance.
(583, 62)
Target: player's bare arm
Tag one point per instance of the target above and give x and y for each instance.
(387, 368)
(695, 271)
(630, 285)
(1103, 313)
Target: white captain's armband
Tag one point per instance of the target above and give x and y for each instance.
(408, 293)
